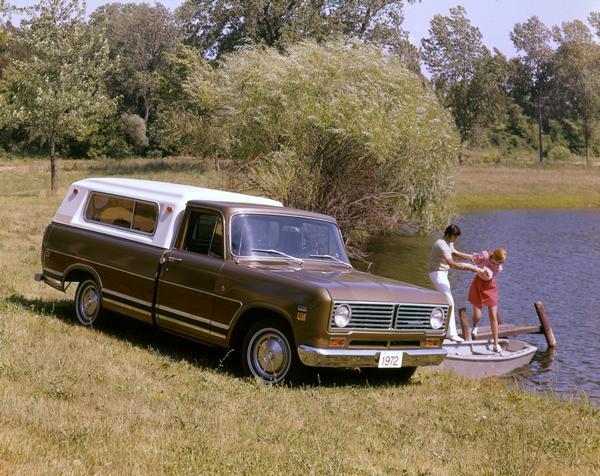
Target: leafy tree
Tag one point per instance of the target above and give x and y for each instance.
(186, 99)
(577, 77)
(594, 19)
(452, 53)
(56, 91)
(533, 40)
(219, 26)
(140, 38)
(347, 131)
(4, 36)
(488, 102)
(452, 48)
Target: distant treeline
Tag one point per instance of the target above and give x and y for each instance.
(549, 94)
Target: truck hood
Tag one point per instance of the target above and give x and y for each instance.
(353, 285)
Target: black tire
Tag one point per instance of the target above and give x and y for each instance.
(88, 302)
(268, 351)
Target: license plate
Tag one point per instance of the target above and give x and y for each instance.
(390, 359)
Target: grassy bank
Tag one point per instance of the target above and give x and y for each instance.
(527, 186)
(124, 399)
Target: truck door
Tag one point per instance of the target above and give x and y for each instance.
(186, 288)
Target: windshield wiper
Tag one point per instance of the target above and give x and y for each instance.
(333, 258)
(280, 253)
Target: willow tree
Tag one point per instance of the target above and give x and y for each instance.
(339, 128)
(55, 90)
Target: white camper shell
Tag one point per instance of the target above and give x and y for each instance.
(170, 198)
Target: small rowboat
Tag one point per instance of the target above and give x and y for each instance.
(476, 358)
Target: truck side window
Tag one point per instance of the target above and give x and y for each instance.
(204, 234)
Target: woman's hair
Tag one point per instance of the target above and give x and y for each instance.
(499, 255)
(452, 230)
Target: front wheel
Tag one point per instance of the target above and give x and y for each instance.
(87, 302)
(268, 352)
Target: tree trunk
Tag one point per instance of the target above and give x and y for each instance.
(53, 161)
(541, 145)
(586, 134)
(146, 110)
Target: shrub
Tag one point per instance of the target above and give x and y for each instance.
(135, 129)
(340, 129)
(559, 152)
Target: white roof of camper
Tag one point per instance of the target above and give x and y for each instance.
(164, 192)
(72, 209)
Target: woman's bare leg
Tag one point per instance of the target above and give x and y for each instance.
(476, 315)
(493, 310)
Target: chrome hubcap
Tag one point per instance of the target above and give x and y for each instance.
(88, 303)
(270, 355)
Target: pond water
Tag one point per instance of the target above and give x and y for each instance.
(553, 256)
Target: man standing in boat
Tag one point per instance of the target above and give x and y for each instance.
(443, 257)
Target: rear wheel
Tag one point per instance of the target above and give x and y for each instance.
(87, 302)
(268, 352)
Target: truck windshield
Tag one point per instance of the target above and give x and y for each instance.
(286, 236)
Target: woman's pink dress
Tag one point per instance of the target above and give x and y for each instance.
(484, 290)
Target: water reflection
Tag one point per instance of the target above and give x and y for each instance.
(554, 256)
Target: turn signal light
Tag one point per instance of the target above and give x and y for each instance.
(337, 342)
(432, 342)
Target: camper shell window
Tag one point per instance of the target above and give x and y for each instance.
(122, 212)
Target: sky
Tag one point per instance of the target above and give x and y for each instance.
(495, 18)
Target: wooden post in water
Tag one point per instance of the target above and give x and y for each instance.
(464, 323)
(541, 312)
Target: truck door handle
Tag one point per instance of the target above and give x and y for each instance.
(172, 259)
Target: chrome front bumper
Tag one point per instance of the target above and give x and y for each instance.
(316, 357)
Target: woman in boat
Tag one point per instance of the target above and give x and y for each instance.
(443, 257)
(484, 290)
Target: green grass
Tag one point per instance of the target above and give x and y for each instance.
(530, 186)
(123, 398)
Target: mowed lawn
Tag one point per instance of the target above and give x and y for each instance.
(532, 186)
(123, 398)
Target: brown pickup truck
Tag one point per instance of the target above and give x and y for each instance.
(236, 271)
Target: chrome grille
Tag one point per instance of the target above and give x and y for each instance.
(387, 316)
(415, 316)
(367, 315)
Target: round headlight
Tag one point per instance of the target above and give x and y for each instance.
(436, 318)
(342, 316)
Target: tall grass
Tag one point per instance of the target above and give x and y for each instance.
(125, 399)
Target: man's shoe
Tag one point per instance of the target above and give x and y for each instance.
(456, 338)
(474, 332)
